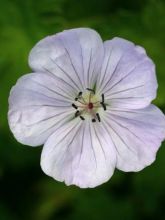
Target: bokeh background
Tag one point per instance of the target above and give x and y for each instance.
(26, 193)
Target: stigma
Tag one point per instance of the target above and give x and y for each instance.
(87, 103)
(90, 105)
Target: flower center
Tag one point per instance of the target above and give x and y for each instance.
(88, 104)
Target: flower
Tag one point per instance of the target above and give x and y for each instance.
(89, 103)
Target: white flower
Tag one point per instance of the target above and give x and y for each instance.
(88, 102)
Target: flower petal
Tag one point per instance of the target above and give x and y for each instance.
(136, 135)
(128, 75)
(38, 105)
(73, 55)
(79, 154)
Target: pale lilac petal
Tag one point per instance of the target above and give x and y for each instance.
(79, 153)
(38, 105)
(136, 135)
(73, 55)
(128, 75)
(128, 130)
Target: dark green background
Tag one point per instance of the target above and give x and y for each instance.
(26, 193)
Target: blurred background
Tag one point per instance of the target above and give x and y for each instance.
(26, 193)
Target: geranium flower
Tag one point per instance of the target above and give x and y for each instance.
(88, 102)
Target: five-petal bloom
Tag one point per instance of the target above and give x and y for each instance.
(89, 103)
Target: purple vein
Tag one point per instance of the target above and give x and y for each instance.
(125, 90)
(122, 140)
(72, 62)
(114, 71)
(51, 90)
(65, 82)
(129, 73)
(105, 72)
(64, 72)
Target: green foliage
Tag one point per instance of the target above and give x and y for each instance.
(26, 193)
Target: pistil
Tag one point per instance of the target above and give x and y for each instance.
(90, 105)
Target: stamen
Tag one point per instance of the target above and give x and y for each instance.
(81, 102)
(97, 106)
(82, 118)
(80, 97)
(77, 113)
(90, 97)
(98, 117)
(92, 90)
(74, 106)
(104, 106)
(80, 94)
(93, 120)
(96, 102)
(102, 98)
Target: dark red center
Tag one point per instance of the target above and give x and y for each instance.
(90, 105)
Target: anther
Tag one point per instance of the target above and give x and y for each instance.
(102, 98)
(93, 120)
(82, 118)
(104, 106)
(80, 94)
(98, 117)
(74, 106)
(80, 97)
(77, 113)
(92, 90)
